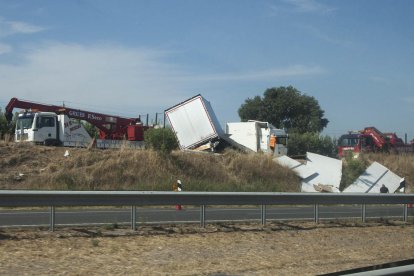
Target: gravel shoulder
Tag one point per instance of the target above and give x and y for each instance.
(293, 248)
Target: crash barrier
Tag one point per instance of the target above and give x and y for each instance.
(26, 198)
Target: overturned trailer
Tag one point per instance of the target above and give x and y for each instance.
(196, 127)
(194, 124)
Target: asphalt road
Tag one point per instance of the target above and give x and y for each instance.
(189, 214)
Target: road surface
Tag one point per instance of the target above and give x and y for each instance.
(189, 214)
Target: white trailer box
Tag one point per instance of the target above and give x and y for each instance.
(256, 136)
(194, 122)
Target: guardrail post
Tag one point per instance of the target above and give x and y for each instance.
(263, 214)
(364, 213)
(52, 219)
(316, 213)
(405, 213)
(203, 216)
(134, 218)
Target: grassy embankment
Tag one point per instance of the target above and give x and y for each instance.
(127, 169)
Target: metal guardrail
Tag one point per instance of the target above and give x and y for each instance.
(25, 198)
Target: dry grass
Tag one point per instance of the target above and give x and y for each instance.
(277, 249)
(127, 169)
(401, 164)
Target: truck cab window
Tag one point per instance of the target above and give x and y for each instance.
(45, 122)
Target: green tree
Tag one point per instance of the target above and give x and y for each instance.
(6, 127)
(160, 139)
(285, 107)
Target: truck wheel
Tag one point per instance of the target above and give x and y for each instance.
(50, 142)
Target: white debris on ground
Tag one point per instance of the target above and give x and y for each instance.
(373, 178)
(323, 174)
(299, 168)
(318, 174)
(66, 154)
(328, 174)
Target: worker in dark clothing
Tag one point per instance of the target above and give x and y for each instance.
(384, 189)
(401, 188)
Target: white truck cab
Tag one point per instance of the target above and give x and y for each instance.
(48, 128)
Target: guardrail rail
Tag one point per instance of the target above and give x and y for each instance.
(30, 198)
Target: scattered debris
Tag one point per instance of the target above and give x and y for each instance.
(67, 154)
(323, 174)
(19, 176)
(318, 174)
(373, 178)
(328, 173)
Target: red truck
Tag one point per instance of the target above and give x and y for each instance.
(370, 139)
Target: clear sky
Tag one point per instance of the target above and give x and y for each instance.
(136, 57)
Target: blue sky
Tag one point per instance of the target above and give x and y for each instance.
(136, 57)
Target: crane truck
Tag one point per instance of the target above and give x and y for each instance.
(60, 125)
(370, 139)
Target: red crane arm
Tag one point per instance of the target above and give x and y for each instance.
(378, 137)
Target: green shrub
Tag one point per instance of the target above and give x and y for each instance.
(160, 139)
(352, 168)
(299, 144)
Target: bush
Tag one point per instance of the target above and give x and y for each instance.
(352, 168)
(160, 139)
(6, 128)
(299, 144)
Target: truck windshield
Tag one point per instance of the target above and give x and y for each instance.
(282, 140)
(24, 122)
(348, 141)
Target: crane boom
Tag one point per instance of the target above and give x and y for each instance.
(110, 126)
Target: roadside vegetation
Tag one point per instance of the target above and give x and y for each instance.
(25, 166)
(401, 164)
(352, 168)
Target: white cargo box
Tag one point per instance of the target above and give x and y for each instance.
(255, 136)
(194, 122)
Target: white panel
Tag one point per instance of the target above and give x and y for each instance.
(329, 170)
(244, 133)
(216, 124)
(373, 178)
(300, 169)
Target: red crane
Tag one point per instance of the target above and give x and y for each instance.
(110, 126)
